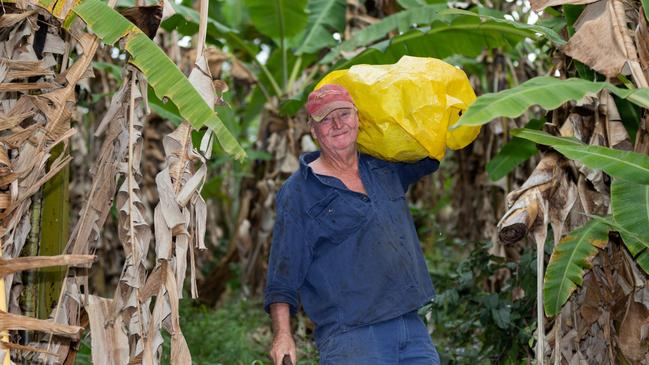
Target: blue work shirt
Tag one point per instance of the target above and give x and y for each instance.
(351, 259)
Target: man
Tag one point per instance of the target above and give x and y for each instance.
(344, 243)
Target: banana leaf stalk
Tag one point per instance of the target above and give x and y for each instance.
(524, 202)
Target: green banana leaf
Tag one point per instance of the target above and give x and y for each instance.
(630, 114)
(512, 154)
(325, 17)
(162, 74)
(630, 203)
(548, 92)
(569, 260)
(185, 21)
(214, 28)
(407, 4)
(278, 19)
(625, 165)
(233, 12)
(643, 260)
(401, 22)
(444, 32)
(632, 241)
(165, 110)
(275, 63)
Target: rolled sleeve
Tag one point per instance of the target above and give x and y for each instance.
(290, 254)
(410, 173)
(281, 295)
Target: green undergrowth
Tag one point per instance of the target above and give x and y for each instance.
(484, 309)
(236, 333)
(484, 312)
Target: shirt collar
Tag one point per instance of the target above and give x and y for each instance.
(308, 157)
(305, 160)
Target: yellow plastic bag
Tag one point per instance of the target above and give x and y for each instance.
(405, 108)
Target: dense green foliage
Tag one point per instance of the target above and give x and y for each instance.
(472, 322)
(475, 325)
(630, 204)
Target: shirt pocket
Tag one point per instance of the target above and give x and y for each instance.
(336, 217)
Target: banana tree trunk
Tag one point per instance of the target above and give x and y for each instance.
(55, 231)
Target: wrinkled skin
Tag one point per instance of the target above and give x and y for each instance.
(283, 343)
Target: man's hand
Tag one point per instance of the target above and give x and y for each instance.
(283, 343)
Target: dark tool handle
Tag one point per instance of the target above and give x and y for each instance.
(287, 360)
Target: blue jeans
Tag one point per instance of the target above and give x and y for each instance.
(400, 341)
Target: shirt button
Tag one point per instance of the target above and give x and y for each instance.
(365, 199)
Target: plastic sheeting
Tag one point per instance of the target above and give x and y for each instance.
(405, 109)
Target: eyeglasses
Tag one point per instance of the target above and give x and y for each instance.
(342, 115)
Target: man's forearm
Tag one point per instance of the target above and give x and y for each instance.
(283, 343)
(281, 317)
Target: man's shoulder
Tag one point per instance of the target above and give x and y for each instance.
(294, 180)
(377, 162)
(374, 162)
(293, 186)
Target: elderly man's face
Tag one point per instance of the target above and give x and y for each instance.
(338, 130)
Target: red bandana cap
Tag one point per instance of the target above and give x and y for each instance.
(327, 99)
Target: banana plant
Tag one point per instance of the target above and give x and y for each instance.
(630, 206)
(545, 91)
(280, 20)
(325, 17)
(630, 202)
(168, 82)
(436, 31)
(627, 165)
(569, 261)
(630, 170)
(572, 256)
